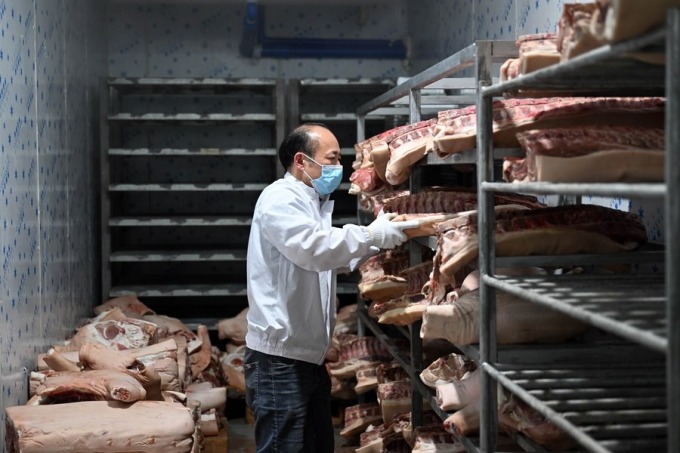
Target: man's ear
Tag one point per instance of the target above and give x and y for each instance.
(298, 160)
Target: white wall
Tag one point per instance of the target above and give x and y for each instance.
(51, 55)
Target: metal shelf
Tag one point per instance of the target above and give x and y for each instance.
(604, 407)
(171, 197)
(360, 83)
(242, 187)
(178, 221)
(205, 152)
(480, 56)
(201, 290)
(468, 157)
(147, 256)
(498, 51)
(604, 70)
(179, 82)
(405, 363)
(191, 117)
(237, 187)
(332, 117)
(595, 189)
(633, 308)
(642, 309)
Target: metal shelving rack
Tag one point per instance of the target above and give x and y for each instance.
(614, 407)
(182, 163)
(407, 97)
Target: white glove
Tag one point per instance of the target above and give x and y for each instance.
(386, 234)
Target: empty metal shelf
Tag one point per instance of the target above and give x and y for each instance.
(244, 187)
(197, 290)
(633, 307)
(178, 82)
(137, 256)
(179, 221)
(192, 117)
(178, 290)
(192, 152)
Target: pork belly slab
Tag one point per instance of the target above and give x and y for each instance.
(517, 321)
(561, 230)
(456, 130)
(589, 154)
(100, 427)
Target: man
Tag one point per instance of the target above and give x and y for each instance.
(293, 256)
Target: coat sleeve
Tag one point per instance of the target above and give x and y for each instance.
(290, 226)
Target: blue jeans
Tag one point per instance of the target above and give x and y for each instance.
(291, 400)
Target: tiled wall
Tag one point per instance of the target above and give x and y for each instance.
(441, 28)
(201, 39)
(52, 53)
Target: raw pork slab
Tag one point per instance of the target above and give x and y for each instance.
(100, 427)
(517, 321)
(559, 230)
(456, 130)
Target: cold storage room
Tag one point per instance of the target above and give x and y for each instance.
(456, 218)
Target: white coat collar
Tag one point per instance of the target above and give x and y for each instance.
(311, 191)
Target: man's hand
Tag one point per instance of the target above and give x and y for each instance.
(386, 234)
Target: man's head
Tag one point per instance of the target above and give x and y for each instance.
(313, 141)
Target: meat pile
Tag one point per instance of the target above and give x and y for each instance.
(456, 381)
(589, 154)
(384, 162)
(583, 27)
(448, 304)
(535, 51)
(152, 382)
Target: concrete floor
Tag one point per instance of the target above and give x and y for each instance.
(242, 438)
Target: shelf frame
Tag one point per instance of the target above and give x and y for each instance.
(480, 55)
(584, 76)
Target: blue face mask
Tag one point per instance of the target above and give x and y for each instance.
(331, 176)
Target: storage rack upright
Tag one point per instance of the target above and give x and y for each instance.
(182, 163)
(654, 325)
(407, 98)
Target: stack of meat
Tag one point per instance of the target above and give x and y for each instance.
(455, 379)
(586, 26)
(155, 386)
(233, 330)
(583, 27)
(589, 154)
(535, 52)
(535, 124)
(449, 302)
(386, 158)
(396, 290)
(342, 365)
(386, 424)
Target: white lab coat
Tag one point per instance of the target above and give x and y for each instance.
(293, 256)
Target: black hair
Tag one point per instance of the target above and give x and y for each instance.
(298, 141)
